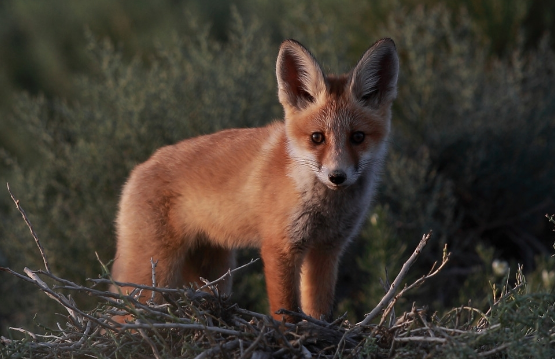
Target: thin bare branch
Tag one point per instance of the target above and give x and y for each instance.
(229, 273)
(420, 339)
(393, 288)
(417, 283)
(494, 350)
(153, 265)
(28, 222)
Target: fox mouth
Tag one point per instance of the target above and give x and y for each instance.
(336, 187)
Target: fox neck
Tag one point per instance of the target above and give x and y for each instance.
(326, 217)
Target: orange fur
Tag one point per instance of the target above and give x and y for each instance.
(275, 188)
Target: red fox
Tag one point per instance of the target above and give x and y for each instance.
(298, 189)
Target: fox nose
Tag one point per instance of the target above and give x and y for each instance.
(337, 177)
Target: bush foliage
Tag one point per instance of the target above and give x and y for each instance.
(470, 156)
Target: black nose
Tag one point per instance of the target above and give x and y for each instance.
(337, 177)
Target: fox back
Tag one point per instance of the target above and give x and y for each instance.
(298, 189)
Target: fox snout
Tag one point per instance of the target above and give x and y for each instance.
(337, 177)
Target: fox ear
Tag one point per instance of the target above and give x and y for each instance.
(374, 79)
(300, 78)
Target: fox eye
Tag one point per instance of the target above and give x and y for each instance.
(357, 137)
(317, 137)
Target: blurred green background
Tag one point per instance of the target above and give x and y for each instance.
(89, 89)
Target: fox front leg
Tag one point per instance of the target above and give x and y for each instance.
(318, 279)
(282, 271)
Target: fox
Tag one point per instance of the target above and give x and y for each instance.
(298, 189)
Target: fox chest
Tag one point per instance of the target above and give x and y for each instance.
(330, 219)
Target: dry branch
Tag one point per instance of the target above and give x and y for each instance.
(386, 300)
(28, 222)
(206, 322)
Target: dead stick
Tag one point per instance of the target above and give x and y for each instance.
(303, 316)
(228, 273)
(182, 326)
(393, 288)
(60, 298)
(254, 344)
(220, 348)
(16, 201)
(153, 264)
(150, 342)
(420, 339)
(494, 350)
(415, 284)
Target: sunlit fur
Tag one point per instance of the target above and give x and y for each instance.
(191, 204)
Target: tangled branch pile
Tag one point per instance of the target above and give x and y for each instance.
(202, 323)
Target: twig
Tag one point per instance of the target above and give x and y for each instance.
(165, 290)
(153, 265)
(269, 321)
(32, 335)
(150, 342)
(393, 288)
(303, 316)
(263, 317)
(417, 283)
(494, 350)
(305, 352)
(254, 344)
(60, 298)
(84, 336)
(215, 350)
(338, 321)
(41, 249)
(392, 317)
(419, 312)
(182, 326)
(420, 339)
(484, 318)
(135, 285)
(341, 342)
(228, 274)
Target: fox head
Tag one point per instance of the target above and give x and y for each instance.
(337, 126)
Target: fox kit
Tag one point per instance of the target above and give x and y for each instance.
(298, 189)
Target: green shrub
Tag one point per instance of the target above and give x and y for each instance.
(471, 152)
